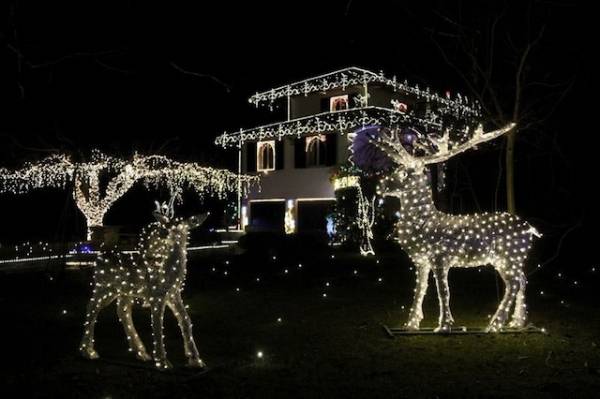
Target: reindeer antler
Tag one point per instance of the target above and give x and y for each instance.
(171, 206)
(166, 209)
(444, 152)
(390, 143)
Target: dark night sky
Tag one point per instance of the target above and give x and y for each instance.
(103, 75)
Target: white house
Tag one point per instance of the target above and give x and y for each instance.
(297, 158)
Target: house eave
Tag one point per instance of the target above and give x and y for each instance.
(353, 76)
(306, 86)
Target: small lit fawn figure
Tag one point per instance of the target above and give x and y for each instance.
(155, 276)
(437, 241)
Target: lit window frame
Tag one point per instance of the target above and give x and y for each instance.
(334, 99)
(319, 141)
(259, 149)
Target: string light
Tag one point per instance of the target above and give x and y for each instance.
(156, 276)
(440, 110)
(94, 202)
(365, 215)
(289, 220)
(365, 221)
(340, 121)
(359, 77)
(437, 241)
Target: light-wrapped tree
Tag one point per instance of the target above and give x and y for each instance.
(94, 199)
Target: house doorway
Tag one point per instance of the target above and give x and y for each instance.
(312, 215)
(267, 216)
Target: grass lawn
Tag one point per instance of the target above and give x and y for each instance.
(331, 346)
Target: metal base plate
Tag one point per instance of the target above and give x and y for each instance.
(461, 330)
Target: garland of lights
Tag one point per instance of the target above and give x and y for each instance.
(55, 171)
(436, 241)
(344, 220)
(459, 107)
(156, 276)
(342, 121)
(366, 218)
(153, 170)
(365, 212)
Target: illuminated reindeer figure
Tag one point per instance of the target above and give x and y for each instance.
(156, 276)
(436, 241)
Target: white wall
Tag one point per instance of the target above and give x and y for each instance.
(295, 183)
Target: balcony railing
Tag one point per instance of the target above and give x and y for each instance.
(459, 105)
(342, 121)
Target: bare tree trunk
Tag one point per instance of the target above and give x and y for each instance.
(510, 171)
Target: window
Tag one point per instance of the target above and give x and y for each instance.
(265, 156)
(316, 150)
(338, 103)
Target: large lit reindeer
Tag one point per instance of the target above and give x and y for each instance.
(437, 241)
(156, 276)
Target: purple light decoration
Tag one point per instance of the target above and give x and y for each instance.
(84, 249)
(371, 159)
(365, 154)
(408, 136)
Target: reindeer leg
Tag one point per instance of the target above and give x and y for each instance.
(176, 305)
(416, 311)
(124, 305)
(510, 291)
(519, 316)
(443, 291)
(158, 313)
(99, 300)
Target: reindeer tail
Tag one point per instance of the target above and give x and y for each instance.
(533, 231)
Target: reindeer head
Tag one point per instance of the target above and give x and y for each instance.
(196, 220)
(165, 212)
(179, 229)
(434, 150)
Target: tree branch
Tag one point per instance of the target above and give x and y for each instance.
(201, 75)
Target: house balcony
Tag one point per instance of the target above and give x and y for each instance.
(342, 121)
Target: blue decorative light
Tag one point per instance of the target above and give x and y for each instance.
(84, 249)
